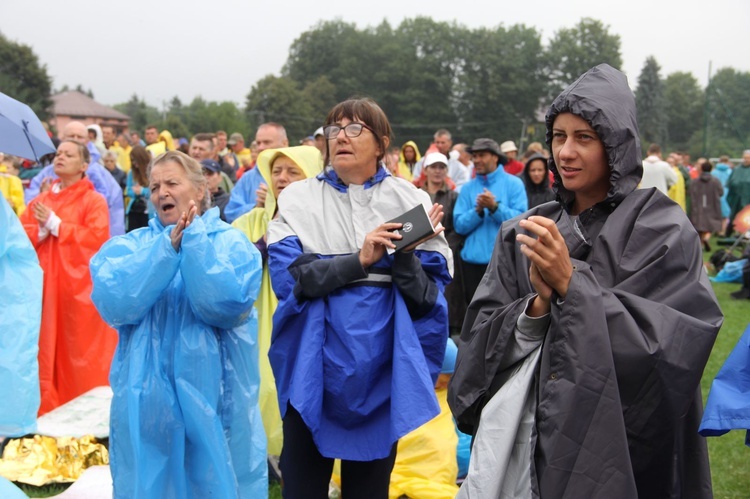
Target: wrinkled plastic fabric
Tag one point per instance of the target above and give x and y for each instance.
(254, 225)
(75, 344)
(10, 491)
(728, 405)
(426, 466)
(355, 364)
(185, 420)
(730, 272)
(21, 291)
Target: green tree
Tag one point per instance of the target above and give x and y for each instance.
(502, 82)
(649, 100)
(321, 95)
(729, 112)
(683, 99)
(24, 78)
(573, 51)
(209, 116)
(281, 100)
(141, 114)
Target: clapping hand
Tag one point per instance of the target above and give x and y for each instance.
(183, 223)
(551, 268)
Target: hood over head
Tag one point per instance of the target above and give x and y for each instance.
(308, 158)
(602, 97)
(417, 156)
(525, 173)
(166, 137)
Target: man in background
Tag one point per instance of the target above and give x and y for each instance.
(245, 193)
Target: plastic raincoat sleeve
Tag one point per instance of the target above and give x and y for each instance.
(518, 203)
(108, 187)
(242, 198)
(21, 289)
(130, 274)
(728, 405)
(221, 285)
(79, 239)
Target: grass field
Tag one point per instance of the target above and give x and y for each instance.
(730, 458)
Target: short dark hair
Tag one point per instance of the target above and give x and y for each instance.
(204, 137)
(654, 149)
(149, 127)
(706, 166)
(368, 112)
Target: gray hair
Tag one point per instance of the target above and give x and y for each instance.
(193, 171)
(443, 133)
(109, 154)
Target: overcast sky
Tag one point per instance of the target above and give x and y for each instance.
(219, 49)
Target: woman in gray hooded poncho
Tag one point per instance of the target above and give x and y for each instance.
(602, 303)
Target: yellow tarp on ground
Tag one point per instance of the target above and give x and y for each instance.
(426, 466)
(41, 460)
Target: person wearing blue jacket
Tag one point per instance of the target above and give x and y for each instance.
(185, 420)
(103, 181)
(359, 334)
(483, 204)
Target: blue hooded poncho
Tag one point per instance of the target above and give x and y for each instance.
(185, 419)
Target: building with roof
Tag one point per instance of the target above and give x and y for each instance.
(73, 105)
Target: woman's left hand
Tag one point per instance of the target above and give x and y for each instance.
(548, 252)
(436, 215)
(41, 213)
(183, 223)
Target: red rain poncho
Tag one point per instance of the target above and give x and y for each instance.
(75, 344)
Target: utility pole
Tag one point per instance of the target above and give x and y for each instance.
(705, 114)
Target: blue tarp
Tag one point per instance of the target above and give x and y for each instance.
(730, 272)
(21, 292)
(728, 405)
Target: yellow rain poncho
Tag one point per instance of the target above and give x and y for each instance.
(254, 224)
(11, 189)
(166, 137)
(403, 168)
(426, 465)
(677, 192)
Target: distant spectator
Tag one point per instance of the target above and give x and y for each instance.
(109, 160)
(705, 204)
(656, 172)
(535, 177)
(512, 166)
(219, 198)
(154, 146)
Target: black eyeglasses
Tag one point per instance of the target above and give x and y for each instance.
(351, 130)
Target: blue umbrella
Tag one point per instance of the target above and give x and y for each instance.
(21, 132)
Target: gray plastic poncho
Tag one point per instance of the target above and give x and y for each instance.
(618, 397)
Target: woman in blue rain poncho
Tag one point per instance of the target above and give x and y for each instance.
(359, 334)
(185, 419)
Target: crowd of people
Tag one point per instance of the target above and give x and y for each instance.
(249, 309)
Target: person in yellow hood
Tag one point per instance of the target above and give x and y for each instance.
(11, 187)
(279, 168)
(166, 137)
(407, 159)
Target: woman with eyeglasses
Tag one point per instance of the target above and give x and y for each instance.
(359, 333)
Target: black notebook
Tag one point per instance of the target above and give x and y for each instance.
(416, 225)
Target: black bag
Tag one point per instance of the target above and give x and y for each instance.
(139, 205)
(722, 256)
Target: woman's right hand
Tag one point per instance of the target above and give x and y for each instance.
(376, 243)
(137, 189)
(260, 195)
(182, 224)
